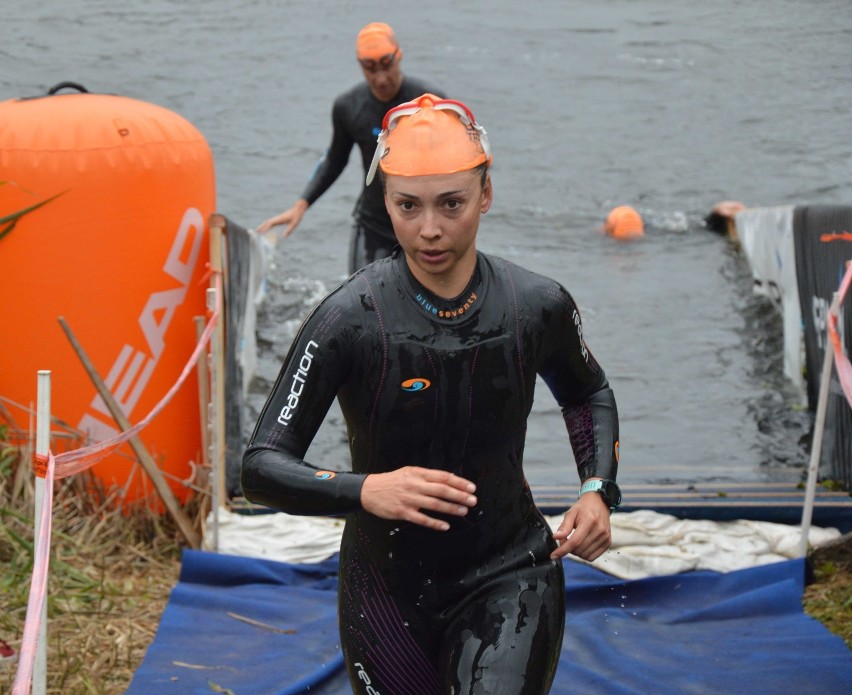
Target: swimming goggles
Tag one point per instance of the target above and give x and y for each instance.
(383, 63)
(412, 107)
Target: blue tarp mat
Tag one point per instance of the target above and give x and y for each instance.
(258, 627)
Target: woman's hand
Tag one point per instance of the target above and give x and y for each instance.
(585, 530)
(408, 493)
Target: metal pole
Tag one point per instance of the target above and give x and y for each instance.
(39, 683)
(819, 429)
(203, 372)
(217, 449)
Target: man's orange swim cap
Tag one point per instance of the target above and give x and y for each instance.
(429, 136)
(624, 222)
(375, 41)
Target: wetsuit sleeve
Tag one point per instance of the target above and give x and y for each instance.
(581, 388)
(334, 161)
(274, 471)
(716, 223)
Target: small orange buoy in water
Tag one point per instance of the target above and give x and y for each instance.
(624, 222)
(108, 198)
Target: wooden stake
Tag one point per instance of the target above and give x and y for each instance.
(218, 224)
(731, 225)
(148, 463)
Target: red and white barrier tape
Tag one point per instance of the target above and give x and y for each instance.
(69, 463)
(841, 359)
(38, 589)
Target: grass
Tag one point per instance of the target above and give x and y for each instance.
(110, 578)
(111, 574)
(829, 597)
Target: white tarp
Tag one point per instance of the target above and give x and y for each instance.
(766, 235)
(260, 262)
(645, 543)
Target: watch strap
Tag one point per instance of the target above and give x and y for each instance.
(590, 486)
(598, 486)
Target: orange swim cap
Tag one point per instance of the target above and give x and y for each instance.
(429, 136)
(624, 222)
(375, 41)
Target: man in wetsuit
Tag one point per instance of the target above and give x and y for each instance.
(356, 119)
(450, 578)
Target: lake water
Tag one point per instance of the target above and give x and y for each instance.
(666, 106)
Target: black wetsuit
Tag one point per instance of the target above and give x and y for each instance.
(356, 118)
(448, 385)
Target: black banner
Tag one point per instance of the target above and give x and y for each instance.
(236, 304)
(822, 236)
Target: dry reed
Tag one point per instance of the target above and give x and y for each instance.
(110, 576)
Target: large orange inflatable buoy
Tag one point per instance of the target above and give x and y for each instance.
(105, 201)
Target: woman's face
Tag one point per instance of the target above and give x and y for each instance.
(436, 219)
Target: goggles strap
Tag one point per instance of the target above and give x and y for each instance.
(377, 157)
(398, 112)
(388, 124)
(467, 118)
(483, 140)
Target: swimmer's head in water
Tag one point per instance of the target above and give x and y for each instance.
(624, 222)
(429, 136)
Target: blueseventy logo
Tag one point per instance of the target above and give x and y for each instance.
(417, 384)
(453, 313)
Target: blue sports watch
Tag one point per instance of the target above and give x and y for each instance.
(607, 489)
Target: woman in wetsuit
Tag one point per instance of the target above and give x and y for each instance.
(450, 578)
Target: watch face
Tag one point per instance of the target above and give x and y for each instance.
(611, 493)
